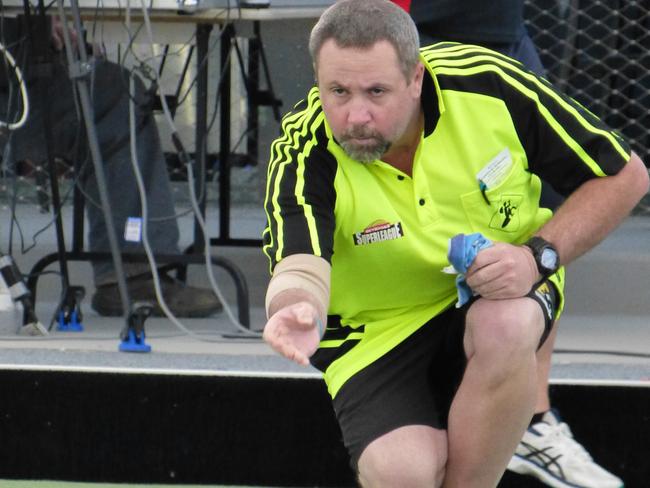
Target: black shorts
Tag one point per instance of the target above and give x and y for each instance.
(414, 383)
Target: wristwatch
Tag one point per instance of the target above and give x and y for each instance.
(546, 256)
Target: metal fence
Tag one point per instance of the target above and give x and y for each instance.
(598, 52)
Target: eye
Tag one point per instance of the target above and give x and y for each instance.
(376, 91)
(338, 91)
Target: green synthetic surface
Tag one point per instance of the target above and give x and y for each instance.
(72, 484)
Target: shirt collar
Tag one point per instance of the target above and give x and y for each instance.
(431, 100)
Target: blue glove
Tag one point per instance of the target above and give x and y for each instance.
(461, 254)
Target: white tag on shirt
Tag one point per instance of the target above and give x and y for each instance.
(133, 229)
(496, 170)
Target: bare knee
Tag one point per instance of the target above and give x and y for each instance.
(400, 471)
(503, 328)
(408, 457)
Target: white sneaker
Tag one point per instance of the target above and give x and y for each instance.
(549, 452)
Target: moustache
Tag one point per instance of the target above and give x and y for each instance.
(360, 133)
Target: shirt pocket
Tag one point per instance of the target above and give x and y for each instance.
(503, 213)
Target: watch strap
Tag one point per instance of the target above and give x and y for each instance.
(537, 245)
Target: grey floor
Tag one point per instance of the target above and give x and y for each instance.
(604, 334)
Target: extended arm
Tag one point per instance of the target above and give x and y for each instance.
(296, 303)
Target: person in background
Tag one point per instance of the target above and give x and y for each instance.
(548, 449)
(110, 96)
(399, 163)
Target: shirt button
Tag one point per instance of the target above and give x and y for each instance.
(400, 177)
(421, 201)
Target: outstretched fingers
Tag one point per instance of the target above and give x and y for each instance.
(292, 332)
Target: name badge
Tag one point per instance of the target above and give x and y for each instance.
(496, 170)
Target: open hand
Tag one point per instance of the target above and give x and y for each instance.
(292, 331)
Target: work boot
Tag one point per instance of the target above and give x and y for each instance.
(181, 299)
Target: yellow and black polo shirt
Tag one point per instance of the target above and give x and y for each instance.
(495, 135)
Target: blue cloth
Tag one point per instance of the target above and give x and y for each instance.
(462, 252)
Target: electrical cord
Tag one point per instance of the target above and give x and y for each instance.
(181, 98)
(150, 257)
(191, 179)
(145, 238)
(201, 65)
(14, 198)
(23, 92)
(197, 212)
(25, 249)
(208, 263)
(7, 158)
(163, 99)
(145, 216)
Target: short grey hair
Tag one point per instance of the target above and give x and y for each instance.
(363, 23)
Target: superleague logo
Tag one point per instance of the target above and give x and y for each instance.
(378, 231)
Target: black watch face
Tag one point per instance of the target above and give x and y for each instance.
(548, 259)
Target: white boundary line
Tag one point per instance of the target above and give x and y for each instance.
(159, 371)
(264, 374)
(592, 382)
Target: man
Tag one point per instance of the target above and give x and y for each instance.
(391, 155)
(110, 94)
(499, 25)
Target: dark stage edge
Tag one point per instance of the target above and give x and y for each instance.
(243, 428)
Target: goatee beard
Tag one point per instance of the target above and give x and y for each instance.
(364, 153)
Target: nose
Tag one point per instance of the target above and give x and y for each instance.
(358, 113)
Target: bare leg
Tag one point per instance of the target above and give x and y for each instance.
(496, 398)
(409, 457)
(544, 354)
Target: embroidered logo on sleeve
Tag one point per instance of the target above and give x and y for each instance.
(378, 231)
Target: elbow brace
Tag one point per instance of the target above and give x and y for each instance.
(302, 272)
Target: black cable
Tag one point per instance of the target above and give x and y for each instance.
(217, 99)
(64, 199)
(86, 163)
(200, 66)
(22, 62)
(14, 221)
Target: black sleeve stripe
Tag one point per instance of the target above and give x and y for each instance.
(547, 121)
(289, 122)
(300, 190)
(277, 182)
(470, 58)
(455, 50)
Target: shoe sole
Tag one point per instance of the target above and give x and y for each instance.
(523, 466)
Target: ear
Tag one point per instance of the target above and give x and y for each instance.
(315, 67)
(417, 79)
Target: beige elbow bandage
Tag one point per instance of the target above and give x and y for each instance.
(302, 272)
